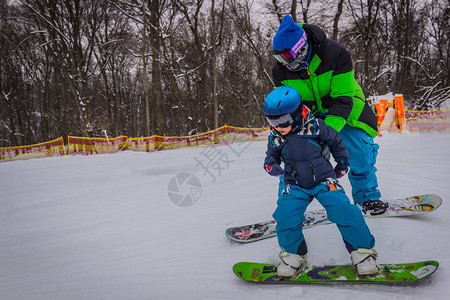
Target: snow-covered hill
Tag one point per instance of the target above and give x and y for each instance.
(109, 227)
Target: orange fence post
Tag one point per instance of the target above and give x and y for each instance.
(400, 114)
(381, 108)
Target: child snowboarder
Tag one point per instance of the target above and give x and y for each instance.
(296, 138)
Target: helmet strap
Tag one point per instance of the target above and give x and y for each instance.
(300, 111)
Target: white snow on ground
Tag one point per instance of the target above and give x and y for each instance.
(104, 227)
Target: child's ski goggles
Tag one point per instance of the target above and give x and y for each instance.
(281, 121)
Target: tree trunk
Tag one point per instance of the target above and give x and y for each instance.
(337, 16)
(155, 43)
(214, 66)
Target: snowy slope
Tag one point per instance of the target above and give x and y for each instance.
(104, 227)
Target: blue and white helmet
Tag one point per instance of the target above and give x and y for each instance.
(283, 107)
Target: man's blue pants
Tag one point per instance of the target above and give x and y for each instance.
(362, 152)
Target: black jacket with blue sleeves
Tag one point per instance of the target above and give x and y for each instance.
(301, 152)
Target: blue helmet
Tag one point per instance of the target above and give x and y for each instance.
(282, 106)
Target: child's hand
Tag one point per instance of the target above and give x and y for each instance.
(272, 167)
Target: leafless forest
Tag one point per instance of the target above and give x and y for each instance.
(181, 67)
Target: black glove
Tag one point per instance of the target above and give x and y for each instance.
(340, 171)
(272, 167)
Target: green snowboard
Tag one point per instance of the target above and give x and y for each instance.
(390, 273)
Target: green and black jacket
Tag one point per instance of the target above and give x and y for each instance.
(328, 87)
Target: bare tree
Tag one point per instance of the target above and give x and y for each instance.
(140, 67)
(365, 19)
(204, 52)
(293, 11)
(337, 17)
(148, 13)
(259, 46)
(430, 64)
(304, 6)
(71, 47)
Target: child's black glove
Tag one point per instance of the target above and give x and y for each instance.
(340, 171)
(272, 167)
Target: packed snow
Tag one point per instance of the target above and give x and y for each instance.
(151, 225)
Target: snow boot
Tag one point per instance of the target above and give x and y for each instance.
(365, 262)
(375, 207)
(291, 264)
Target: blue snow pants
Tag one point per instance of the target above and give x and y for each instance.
(362, 152)
(290, 212)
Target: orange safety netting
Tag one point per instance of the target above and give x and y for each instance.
(145, 144)
(87, 146)
(51, 148)
(223, 135)
(213, 137)
(416, 121)
(391, 120)
(426, 121)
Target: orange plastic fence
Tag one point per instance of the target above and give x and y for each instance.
(51, 148)
(223, 135)
(415, 121)
(87, 146)
(426, 121)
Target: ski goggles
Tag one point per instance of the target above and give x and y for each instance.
(295, 56)
(281, 121)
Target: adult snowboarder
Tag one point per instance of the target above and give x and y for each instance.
(322, 71)
(295, 139)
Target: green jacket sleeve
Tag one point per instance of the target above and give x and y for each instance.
(342, 91)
